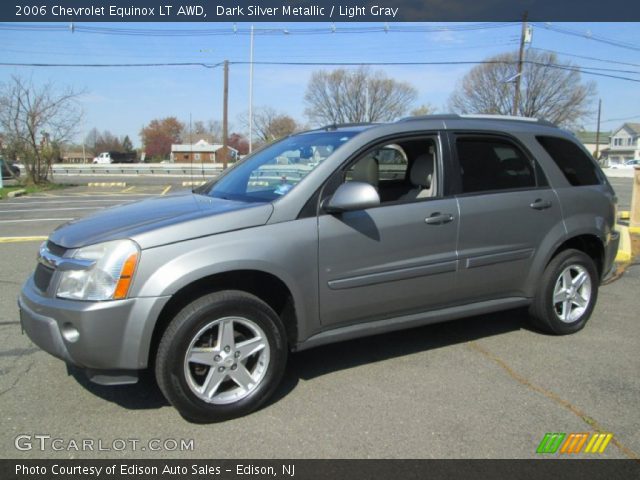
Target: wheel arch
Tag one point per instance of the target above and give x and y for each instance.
(266, 286)
(588, 243)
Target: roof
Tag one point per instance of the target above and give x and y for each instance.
(632, 127)
(201, 146)
(590, 137)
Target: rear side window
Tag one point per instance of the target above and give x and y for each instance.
(488, 163)
(578, 168)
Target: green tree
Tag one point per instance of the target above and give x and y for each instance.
(127, 146)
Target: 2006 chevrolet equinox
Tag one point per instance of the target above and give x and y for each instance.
(323, 236)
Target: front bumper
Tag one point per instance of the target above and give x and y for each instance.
(111, 335)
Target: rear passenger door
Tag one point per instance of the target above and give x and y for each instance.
(506, 212)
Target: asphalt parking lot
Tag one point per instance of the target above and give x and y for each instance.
(484, 387)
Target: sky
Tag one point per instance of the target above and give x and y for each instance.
(124, 99)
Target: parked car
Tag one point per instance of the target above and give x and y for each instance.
(9, 170)
(629, 164)
(212, 289)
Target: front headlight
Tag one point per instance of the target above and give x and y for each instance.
(108, 278)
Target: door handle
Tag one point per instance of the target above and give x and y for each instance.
(540, 204)
(438, 218)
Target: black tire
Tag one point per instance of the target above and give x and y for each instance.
(175, 377)
(545, 314)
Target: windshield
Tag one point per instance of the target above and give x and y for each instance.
(272, 172)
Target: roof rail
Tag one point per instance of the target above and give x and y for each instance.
(335, 126)
(437, 116)
(509, 117)
(454, 116)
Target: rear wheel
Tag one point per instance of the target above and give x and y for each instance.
(567, 294)
(221, 357)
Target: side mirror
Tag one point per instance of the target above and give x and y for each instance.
(352, 196)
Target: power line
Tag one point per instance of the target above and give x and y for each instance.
(620, 119)
(107, 65)
(589, 36)
(585, 70)
(235, 30)
(586, 57)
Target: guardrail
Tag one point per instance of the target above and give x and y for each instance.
(209, 169)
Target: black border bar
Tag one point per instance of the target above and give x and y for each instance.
(324, 469)
(338, 11)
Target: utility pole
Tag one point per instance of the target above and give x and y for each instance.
(523, 34)
(597, 154)
(225, 115)
(251, 91)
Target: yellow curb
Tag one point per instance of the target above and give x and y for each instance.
(634, 229)
(191, 184)
(107, 184)
(21, 239)
(624, 250)
(624, 214)
(166, 190)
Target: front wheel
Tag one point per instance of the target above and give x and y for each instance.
(221, 357)
(567, 293)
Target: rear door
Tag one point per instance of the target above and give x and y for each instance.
(507, 210)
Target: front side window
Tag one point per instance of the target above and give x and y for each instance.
(403, 171)
(273, 171)
(488, 164)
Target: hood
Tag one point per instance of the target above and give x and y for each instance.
(162, 220)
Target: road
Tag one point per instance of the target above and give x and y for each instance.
(484, 387)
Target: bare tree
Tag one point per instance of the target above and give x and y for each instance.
(36, 120)
(269, 125)
(549, 90)
(214, 128)
(424, 109)
(210, 130)
(343, 96)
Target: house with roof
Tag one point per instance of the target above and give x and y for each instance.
(591, 140)
(201, 151)
(624, 143)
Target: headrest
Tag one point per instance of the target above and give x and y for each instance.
(422, 170)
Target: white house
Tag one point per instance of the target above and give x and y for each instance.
(624, 143)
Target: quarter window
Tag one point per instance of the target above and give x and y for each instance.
(578, 168)
(493, 164)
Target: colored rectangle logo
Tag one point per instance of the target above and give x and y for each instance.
(574, 443)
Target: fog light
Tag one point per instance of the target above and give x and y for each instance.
(70, 333)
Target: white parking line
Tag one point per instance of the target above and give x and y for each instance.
(50, 209)
(37, 220)
(97, 194)
(25, 202)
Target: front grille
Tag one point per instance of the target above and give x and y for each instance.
(57, 250)
(42, 277)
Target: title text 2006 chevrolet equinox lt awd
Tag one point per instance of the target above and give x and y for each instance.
(324, 236)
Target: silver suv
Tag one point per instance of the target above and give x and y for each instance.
(324, 236)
